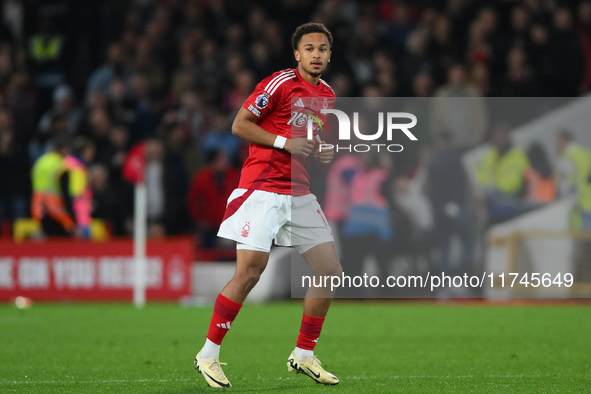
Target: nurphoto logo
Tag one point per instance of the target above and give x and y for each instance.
(345, 130)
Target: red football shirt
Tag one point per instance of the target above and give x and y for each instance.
(272, 169)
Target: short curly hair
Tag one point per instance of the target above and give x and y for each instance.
(308, 28)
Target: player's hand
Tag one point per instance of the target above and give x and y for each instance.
(324, 153)
(299, 146)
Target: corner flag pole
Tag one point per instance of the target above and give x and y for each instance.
(139, 244)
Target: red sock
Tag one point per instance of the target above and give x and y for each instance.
(309, 332)
(224, 313)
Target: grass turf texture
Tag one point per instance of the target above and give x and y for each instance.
(372, 347)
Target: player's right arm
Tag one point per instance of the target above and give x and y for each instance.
(245, 126)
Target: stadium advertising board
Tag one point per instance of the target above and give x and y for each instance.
(70, 270)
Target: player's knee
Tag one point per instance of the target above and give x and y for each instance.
(254, 277)
(337, 270)
(250, 277)
(329, 270)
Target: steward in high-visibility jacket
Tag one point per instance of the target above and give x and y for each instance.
(581, 221)
(503, 171)
(502, 175)
(574, 163)
(581, 218)
(43, 48)
(573, 170)
(584, 202)
(50, 205)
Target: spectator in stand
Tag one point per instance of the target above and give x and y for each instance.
(193, 116)
(461, 110)
(63, 105)
(113, 158)
(539, 177)
(501, 176)
(413, 213)
(166, 186)
(260, 60)
(520, 26)
(118, 102)
(209, 190)
(221, 137)
(113, 68)
(95, 101)
(480, 77)
(145, 120)
(342, 85)
(176, 182)
(144, 63)
(98, 131)
(445, 47)
(398, 30)
(20, 97)
(520, 80)
(156, 195)
(479, 50)
(540, 54)
(113, 154)
(419, 106)
(567, 56)
(419, 59)
(58, 127)
(451, 206)
(104, 198)
(584, 27)
(14, 173)
(243, 85)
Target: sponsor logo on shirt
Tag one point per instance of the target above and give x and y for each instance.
(262, 101)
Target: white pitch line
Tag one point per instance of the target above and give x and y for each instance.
(451, 376)
(282, 378)
(97, 381)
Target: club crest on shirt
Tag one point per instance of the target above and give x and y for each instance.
(262, 100)
(245, 230)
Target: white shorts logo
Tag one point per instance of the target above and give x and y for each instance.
(245, 230)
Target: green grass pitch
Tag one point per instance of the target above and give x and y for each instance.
(373, 347)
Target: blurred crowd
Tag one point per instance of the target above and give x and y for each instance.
(171, 74)
(432, 217)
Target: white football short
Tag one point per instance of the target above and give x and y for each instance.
(255, 218)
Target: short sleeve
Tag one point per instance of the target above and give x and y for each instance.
(267, 94)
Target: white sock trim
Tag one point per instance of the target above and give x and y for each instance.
(303, 353)
(210, 350)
